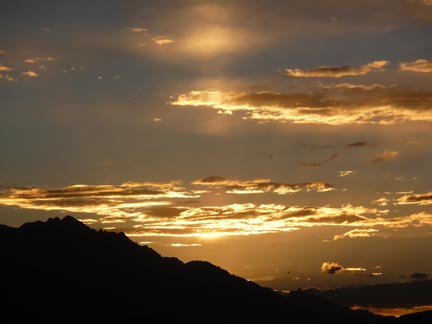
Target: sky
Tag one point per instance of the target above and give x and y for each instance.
(288, 142)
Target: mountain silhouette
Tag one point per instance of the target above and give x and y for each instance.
(390, 295)
(63, 270)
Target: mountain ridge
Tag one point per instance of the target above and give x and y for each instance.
(63, 270)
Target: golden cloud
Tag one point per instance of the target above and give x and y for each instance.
(337, 105)
(261, 185)
(417, 199)
(36, 60)
(138, 29)
(168, 209)
(417, 66)
(386, 155)
(4, 68)
(337, 72)
(356, 233)
(31, 74)
(162, 40)
(346, 173)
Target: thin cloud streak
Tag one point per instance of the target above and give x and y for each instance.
(337, 71)
(261, 185)
(415, 199)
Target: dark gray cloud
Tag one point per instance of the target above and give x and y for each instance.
(419, 276)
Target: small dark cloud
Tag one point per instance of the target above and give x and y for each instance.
(351, 145)
(419, 276)
(357, 144)
(334, 156)
(308, 164)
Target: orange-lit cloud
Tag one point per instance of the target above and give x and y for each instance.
(346, 173)
(261, 185)
(383, 201)
(336, 268)
(168, 209)
(337, 72)
(138, 29)
(417, 66)
(331, 268)
(4, 68)
(337, 105)
(162, 40)
(356, 233)
(386, 155)
(31, 74)
(417, 199)
(36, 60)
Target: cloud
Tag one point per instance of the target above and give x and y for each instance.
(346, 173)
(349, 145)
(185, 244)
(37, 60)
(162, 40)
(422, 65)
(309, 164)
(357, 144)
(138, 29)
(417, 199)
(31, 74)
(356, 233)
(386, 155)
(4, 68)
(419, 276)
(332, 268)
(334, 106)
(337, 268)
(381, 201)
(337, 72)
(119, 202)
(168, 209)
(261, 185)
(8, 77)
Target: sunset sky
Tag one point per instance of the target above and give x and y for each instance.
(288, 142)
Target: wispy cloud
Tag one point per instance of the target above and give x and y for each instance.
(162, 40)
(261, 185)
(356, 233)
(168, 209)
(4, 68)
(421, 65)
(338, 105)
(337, 71)
(31, 74)
(346, 173)
(416, 199)
(386, 155)
(138, 29)
(37, 60)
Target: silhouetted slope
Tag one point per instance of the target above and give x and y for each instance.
(408, 294)
(63, 270)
